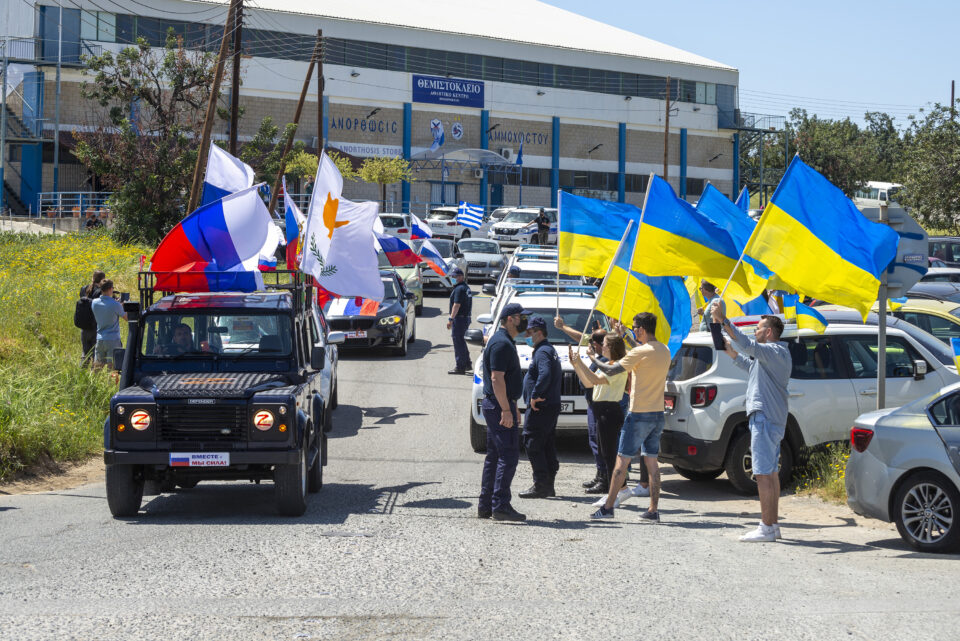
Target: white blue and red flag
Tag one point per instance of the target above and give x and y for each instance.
(398, 253)
(225, 175)
(218, 247)
(353, 307)
(294, 222)
(420, 229)
(431, 256)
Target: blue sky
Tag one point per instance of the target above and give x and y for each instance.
(836, 59)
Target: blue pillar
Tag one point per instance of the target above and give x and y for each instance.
(683, 163)
(735, 190)
(622, 164)
(555, 162)
(484, 125)
(31, 165)
(407, 127)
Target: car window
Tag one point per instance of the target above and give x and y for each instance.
(576, 318)
(814, 359)
(691, 361)
(862, 352)
(392, 222)
(441, 215)
(942, 328)
(478, 246)
(946, 411)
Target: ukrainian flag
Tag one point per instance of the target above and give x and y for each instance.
(809, 318)
(955, 343)
(590, 233)
(666, 298)
(790, 302)
(817, 242)
(677, 240)
(896, 303)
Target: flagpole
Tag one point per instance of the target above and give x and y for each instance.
(613, 261)
(633, 254)
(559, 211)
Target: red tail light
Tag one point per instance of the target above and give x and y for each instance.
(860, 438)
(452, 223)
(703, 395)
(403, 230)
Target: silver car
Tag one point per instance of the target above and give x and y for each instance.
(905, 467)
(483, 257)
(432, 281)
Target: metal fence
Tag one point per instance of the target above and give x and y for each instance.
(74, 204)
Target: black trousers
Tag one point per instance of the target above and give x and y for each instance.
(609, 417)
(540, 441)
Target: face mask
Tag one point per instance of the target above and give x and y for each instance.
(522, 327)
(529, 341)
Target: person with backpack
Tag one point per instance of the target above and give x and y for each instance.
(83, 317)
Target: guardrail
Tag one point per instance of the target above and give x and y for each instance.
(74, 204)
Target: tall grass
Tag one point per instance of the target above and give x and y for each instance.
(51, 407)
(825, 473)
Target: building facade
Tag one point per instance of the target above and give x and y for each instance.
(581, 104)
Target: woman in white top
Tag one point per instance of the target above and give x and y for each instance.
(607, 393)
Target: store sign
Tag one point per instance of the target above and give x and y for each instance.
(448, 91)
(364, 150)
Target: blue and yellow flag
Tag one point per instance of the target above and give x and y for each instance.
(790, 302)
(817, 242)
(955, 344)
(743, 200)
(894, 304)
(809, 318)
(666, 298)
(590, 232)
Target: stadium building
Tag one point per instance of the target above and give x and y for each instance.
(457, 87)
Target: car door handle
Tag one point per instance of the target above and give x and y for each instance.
(796, 394)
(868, 392)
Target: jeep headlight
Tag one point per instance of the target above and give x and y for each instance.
(263, 420)
(389, 320)
(140, 420)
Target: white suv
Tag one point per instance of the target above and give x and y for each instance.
(443, 224)
(575, 302)
(834, 380)
(518, 227)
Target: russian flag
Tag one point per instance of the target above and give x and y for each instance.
(218, 247)
(398, 253)
(179, 461)
(420, 229)
(432, 257)
(294, 222)
(353, 307)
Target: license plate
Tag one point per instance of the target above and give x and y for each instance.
(669, 402)
(199, 459)
(357, 334)
(505, 237)
(566, 407)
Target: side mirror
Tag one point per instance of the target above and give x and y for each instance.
(458, 255)
(919, 370)
(489, 288)
(474, 336)
(118, 358)
(336, 338)
(409, 296)
(484, 319)
(318, 357)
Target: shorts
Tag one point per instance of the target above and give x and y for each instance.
(765, 440)
(641, 431)
(104, 351)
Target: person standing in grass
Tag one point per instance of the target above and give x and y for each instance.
(108, 312)
(88, 335)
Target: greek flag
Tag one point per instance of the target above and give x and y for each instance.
(470, 215)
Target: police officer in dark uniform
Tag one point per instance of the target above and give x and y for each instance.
(502, 386)
(541, 394)
(461, 307)
(543, 227)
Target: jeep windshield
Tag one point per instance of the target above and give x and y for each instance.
(520, 217)
(575, 318)
(220, 333)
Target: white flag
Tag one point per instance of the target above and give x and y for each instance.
(328, 186)
(225, 175)
(348, 266)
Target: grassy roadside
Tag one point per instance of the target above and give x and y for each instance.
(51, 408)
(824, 473)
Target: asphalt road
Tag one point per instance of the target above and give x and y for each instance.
(391, 548)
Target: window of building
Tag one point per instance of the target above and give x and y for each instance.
(701, 92)
(595, 82)
(529, 73)
(563, 77)
(611, 82)
(688, 91)
(88, 25)
(396, 58)
(126, 28)
(98, 25)
(333, 51)
(711, 93)
(473, 66)
(695, 186)
(546, 75)
(511, 70)
(628, 84)
(456, 64)
(492, 69)
(581, 79)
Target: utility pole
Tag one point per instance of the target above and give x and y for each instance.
(204, 149)
(56, 117)
(666, 130)
(953, 103)
(296, 121)
(235, 89)
(320, 88)
(3, 119)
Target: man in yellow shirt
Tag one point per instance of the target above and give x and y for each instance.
(649, 363)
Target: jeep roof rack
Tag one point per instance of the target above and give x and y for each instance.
(565, 286)
(293, 281)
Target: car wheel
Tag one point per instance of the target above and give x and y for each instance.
(290, 483)
(327, 420)
(695, 475)
(315, 482)
(418, 310)
(739, 464)
(401, 349)
(478, 436)
(124, 489)
(925, 511)
(466, 234)
(335, 397)
(413, 333)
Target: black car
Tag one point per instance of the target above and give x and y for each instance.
(936, 291)
(222, 386)
(945, 248)
(391, 322)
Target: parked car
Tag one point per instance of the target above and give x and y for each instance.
(432, 280)
(945, 248)
(411, 277)
(941, 275)
(904, 467)
(483, 257)
(936, 291)
(938, 318)
(518, 227)
(391, 322)
(443, 224)
(399, 225)
(935, 262)
(833, 381)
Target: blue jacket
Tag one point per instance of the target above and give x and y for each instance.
(544, 378)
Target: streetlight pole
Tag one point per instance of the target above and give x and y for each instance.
(56, 129)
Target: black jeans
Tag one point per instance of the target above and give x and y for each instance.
(609, 419)
(540, 441)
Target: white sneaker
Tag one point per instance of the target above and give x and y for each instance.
(776, 531)
(639, 491)
(763, 534)
(624, 495)
(603, 501)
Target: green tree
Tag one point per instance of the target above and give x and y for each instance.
(344, 166)
(884, 144)
(143, 145)
(836, 148)
(263, 151)
(385, 171)
(930, 170)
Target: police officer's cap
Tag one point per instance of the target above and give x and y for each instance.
(537, 322)
(456, 271)
(513, 271)
(511, 309)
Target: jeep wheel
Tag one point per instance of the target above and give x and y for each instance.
(478, 435)
(124, 489)
(418, 310)
(739, 464)
(327, 420)
(925, 511)
(401, 349)
(315, 482)
(291, 486)
(696, 475)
